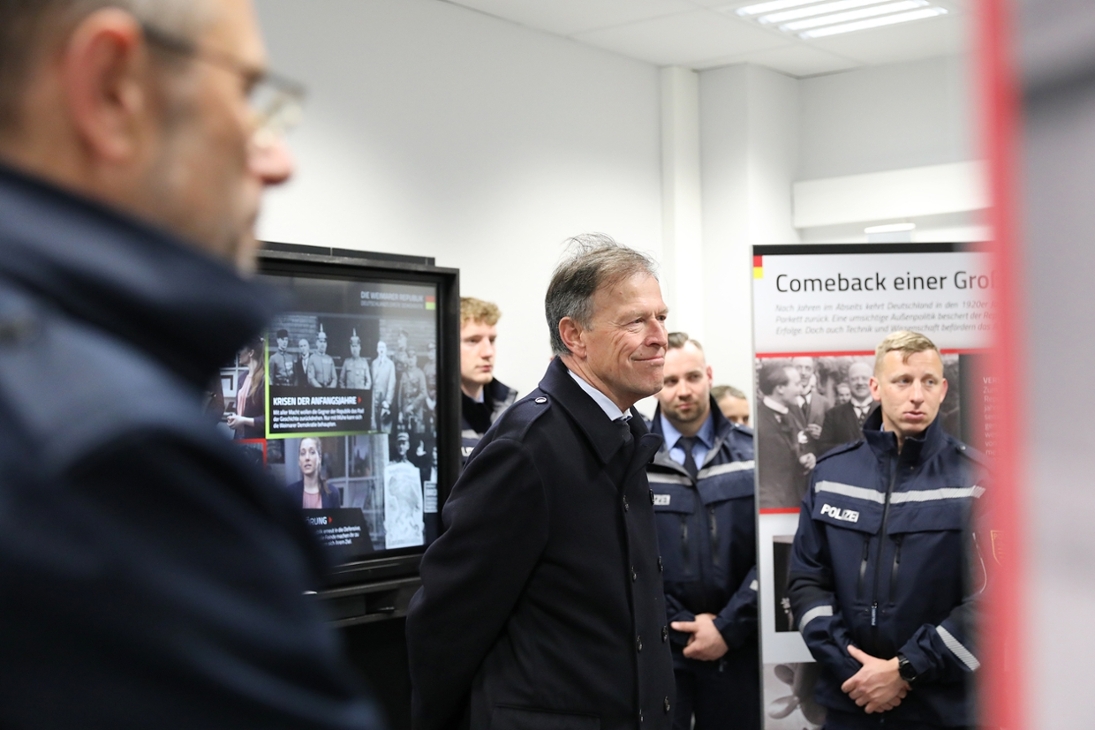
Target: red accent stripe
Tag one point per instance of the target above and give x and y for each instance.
(780, 510)
(758, 261)
(1004, 669)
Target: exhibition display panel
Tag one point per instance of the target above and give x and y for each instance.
(354, 397)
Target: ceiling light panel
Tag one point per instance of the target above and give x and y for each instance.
(821, 18)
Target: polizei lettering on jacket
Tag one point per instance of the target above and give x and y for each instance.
(845, 515)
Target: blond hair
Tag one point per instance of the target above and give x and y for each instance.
(477, 310)
(903, 341)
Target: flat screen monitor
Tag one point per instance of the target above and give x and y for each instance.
(356, 416)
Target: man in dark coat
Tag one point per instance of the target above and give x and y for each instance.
(844, 423)
(150, 577)
(783, 460)
(541, 605)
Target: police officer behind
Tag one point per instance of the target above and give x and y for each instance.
(733, 403)
(879, 579)
(703, 498)
(541, 605)
(483, 397)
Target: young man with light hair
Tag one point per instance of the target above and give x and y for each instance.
(483, 397)
(885, 573)
(733, 403)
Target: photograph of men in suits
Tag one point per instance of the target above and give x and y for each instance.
(844, 423)
(783, 456)
(811, 402)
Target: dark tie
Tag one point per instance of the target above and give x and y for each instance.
(687, 443)
(861, 413)
(625, 429)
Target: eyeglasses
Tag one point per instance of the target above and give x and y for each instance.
(276, 101)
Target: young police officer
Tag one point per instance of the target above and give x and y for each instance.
(702, 479)
(880, 584)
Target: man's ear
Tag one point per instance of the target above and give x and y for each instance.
(105, 71)
(573, 336)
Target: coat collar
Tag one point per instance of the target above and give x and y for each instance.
(605, 436)
(722, 430)
(128, 277)
(914, 451)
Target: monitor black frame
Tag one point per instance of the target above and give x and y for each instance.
(293, 260)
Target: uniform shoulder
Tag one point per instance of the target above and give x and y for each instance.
(516, 420)
(837, 451)
(967, 452)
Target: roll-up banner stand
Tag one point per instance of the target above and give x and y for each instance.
(823, 309)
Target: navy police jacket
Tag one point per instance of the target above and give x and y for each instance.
(541, 605)
(885, 559)
(707, 534)
(149, 575)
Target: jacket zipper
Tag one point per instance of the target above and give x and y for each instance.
(878, 560)
(684, 539)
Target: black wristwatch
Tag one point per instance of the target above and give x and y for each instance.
(905, 669)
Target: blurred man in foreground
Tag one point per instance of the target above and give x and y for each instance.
(702, 480)
(149, 576)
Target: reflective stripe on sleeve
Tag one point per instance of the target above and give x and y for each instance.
(655, 477)
(964, 655)
(815, 612)
(711, 471)
(753, 586)
(923, 495)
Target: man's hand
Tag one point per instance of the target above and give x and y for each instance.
(808, 461)
(877, 686)
(814, 431)
(705, 643)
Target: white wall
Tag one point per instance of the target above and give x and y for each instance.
(749, 136)
(887, 118)
(433, 130)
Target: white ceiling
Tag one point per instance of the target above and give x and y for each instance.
(702, 34)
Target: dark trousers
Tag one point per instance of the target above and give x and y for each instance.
(723, 695)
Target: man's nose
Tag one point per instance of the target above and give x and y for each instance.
(272, 162)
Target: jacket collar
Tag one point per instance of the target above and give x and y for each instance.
(130, 278)
(722, 425)
(914, 451)
(606, 438)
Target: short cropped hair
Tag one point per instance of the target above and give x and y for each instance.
(773, 375)
(677, 340)
(477, 310)
(722, 391)
(594, 261)
(29, 27)
(903, 341)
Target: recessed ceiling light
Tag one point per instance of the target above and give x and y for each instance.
(815, 10)
(873, 23)
(772, 6)
(890, 228)
(851, 15)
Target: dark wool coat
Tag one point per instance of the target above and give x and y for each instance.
(541, 605)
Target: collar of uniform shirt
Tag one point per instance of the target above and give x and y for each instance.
(705, 438)
(611, 409)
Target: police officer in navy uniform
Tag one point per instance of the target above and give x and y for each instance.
(541, 605)
(702, 480)
(885, 568)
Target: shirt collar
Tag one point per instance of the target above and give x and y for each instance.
(863, 404)
(611, 409)
(776, 406)
(706, 434)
